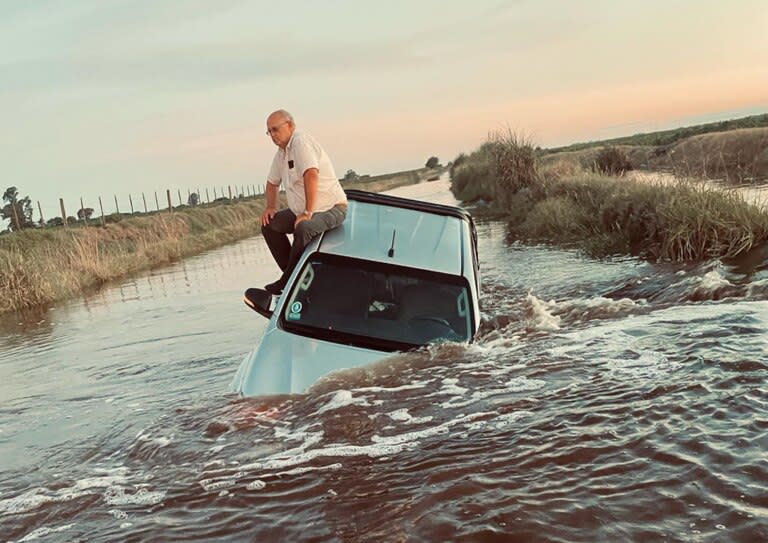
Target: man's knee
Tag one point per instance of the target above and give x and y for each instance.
(305, 231)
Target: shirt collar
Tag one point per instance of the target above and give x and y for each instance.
(290, 141)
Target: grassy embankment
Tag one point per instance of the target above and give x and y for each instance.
(562, 198)
(735, 151)
(40, 266)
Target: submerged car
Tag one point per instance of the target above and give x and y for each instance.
(398, 274)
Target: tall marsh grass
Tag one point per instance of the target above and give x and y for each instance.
(42, 266)
(562, 201)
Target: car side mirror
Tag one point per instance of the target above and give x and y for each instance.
(259, 300)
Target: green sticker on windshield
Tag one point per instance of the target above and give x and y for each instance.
(294, 312)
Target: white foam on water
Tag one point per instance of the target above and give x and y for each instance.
(649, 364)
(42, 532)
(36, 497)
(713, 280)
(160, 441)
(308, 469)
(342, 398)
(378, 390)
(415, 436)
(510, 418)
(402, 415)
(118, 514)
(500, 422)
(541, 316)
(599, 306)
(219, 448)
(382, 446)
(520, 384)
(450, 387)
(517, 384)
(210, 485)
(256, 485)
(115, 495)
(705, 285)
(102, 482)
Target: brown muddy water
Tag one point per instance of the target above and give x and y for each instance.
(603, 401)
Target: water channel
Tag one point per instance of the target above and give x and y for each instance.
(612, 400)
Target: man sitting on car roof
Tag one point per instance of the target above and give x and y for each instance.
(316, 200)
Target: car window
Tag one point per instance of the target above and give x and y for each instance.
(359, 302)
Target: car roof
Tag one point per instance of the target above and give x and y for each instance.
(426, 236)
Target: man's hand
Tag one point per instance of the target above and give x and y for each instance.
(267, 215)
(303, 217)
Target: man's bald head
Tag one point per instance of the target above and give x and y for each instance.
(280, 127)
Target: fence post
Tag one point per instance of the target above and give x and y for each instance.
(82, 209)
(117, 207)
(229, 187)
(157, 202)
(145, 202)
(63, 213)
(101, 207)
(16, 222)
(180, 202)
(130, 201)
(170, 205)
(214, 193)
(207, 196)
(40, 209)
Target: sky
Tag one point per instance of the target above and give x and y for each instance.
(116, 97)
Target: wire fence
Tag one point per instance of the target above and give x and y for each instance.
(135, 204)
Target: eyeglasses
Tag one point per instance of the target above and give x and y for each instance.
(273, 129)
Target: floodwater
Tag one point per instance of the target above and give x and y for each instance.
(603, 401)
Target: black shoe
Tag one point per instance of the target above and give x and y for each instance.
(276, 287)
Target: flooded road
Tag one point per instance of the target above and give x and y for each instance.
(604, 401)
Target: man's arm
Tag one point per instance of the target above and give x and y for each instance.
(311, 176)
(271, 208)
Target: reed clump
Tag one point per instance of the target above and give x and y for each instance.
(612, 160)
(562, 201)
(473, 176)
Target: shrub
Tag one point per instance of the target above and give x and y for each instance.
(514, 161)
(612, 161)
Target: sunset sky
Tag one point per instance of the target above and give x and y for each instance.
(118, 97)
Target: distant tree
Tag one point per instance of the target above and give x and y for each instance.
(433, 162)
(351, 175)
(193, 200)
(84, 213)
(18, 211)
(56, 221)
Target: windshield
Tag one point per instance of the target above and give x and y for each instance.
(376, 305)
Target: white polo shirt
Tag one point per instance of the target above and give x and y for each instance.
(288, 166)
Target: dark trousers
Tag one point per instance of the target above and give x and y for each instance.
(276, 234)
